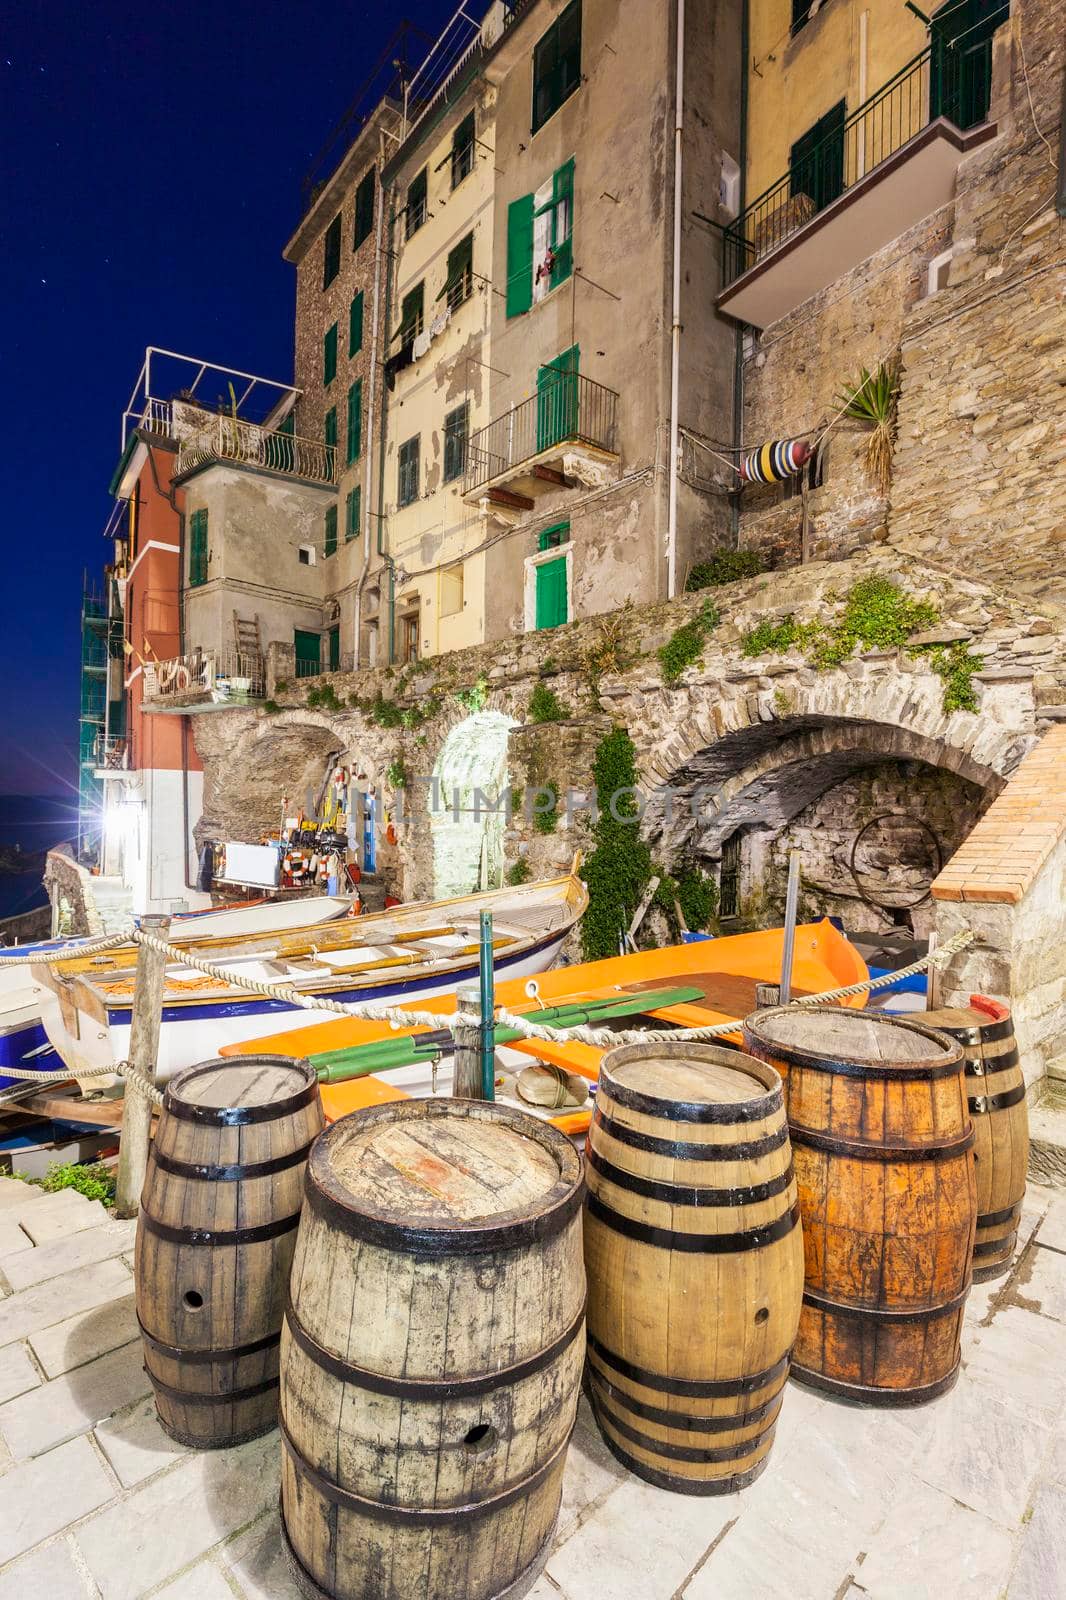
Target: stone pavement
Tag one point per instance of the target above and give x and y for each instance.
(962, 1498)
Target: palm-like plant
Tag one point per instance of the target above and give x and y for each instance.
(873, 402)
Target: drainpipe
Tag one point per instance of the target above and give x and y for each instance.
(738, 337)
(367, 518)
(389, 563)
(675, 339)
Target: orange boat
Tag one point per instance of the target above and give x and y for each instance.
(716, 976)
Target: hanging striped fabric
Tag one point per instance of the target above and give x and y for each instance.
(771, 463)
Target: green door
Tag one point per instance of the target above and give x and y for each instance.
(960, 60)
(551, 593)
(334, 649)
(557, 399)
(308, 653)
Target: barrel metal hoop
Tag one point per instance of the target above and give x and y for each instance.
(684, 1421)
(982, 1103)
(987, 1067)
(175, 1352)
(756, 1110)
(873, 1395)
(561, 1205)
(989, 1219)
(1002, 1244)
(421, 1517)
(693, 1388)
(710, 1244)
(887, 1154)
(684, 1452)
(985, 1033)
(875, 1071)
(682, 1194)
(886, 1315)
(182, 1397)
(231, 1174)
(239, 1116)
(683, 1151)
(424, 1389)
(220, 1236)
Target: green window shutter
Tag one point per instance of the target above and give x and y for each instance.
(334, 649)
(330, 543)
(329, 355)
(551, 538)
(459, 284)
(355, 421)
(557, 65)
(816, 160)
(409, 471)
(416, 209)
(463, 150)
(558, 399)
(364, 209)
(331, 252)
(287, 425)
(197, 549)
(563, 223)
(412, 312)
(353, 513)
(329, 428)
(456, 432)
(520, 256)
(308, 653)
(355, 325)
(551, 593)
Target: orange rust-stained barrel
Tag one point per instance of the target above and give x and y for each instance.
(432, 1353)
(215, 1237)
(694, 1263)
(996, 1091)
(884, 1156)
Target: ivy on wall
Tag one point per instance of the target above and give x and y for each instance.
(618, 868)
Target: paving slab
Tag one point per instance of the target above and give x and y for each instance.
(48, 1574)
(1038, 1285)
(43, 1496)
(202, 1582)
(592, 1473)
(930, 1547)
(1052, 1230)
(1019, 1356)
(1040, 1570)
(17, 1372)
(259, 1567)
(76, 1340)
(135, 1444)
(68, 1255)
(983, 1451)
(48, 1303)
(12, 1239)
(13, 1192)
(38, 1421)
(58, 1216)
(200, 1502)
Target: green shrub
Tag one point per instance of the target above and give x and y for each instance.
(724, 566)
(271, 707)
(685, 644)
(617, 870)
(396, 774)
(474, 699)
(956, 667)
(518, 873)
(545, 705)
(324, 697)
(545, 819)
(281, 686)
(94, 1180)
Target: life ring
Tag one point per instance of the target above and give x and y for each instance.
(166, 670)
(390, 833)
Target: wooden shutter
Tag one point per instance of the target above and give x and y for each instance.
(329, 355)
(459, 283)
(557, 64)
(557, 399)
(308, 648)
(355, 421)
(329, 427)
(331, 530)
(331, 252)
(563, 247)
(352, 510)
(355, 325)
(520, 256)
(364, 209)
(334, 649)
(197, 549)
(551, 593)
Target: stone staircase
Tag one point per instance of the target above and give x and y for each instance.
(1047, 1129)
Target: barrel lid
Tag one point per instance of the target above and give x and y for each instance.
(859, 1041)
(690, 1082)
(242, 1090)
(431, 1177)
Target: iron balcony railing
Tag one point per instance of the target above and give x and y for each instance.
(219, 674)
(226, 439)
(310, 667)
(111, 753)
(930, 86)
(570, 409)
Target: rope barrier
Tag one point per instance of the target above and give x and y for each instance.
(78, 947)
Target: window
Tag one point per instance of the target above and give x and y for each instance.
(552, 538)
(456, 432)
(355, 421)
(331, 254)
(539, 241)
(801, 11)
(411, 314)
(409, 637)
(329, 428)
(364, 209)
(417, 209)
(463, 150)
(557, 65)
(558, 399)
(305, 555)
(330, 541)
(816, 162)
(459, 284)
(355, 325)
(197, 549)
(451, 591)
(329, 355)
(410, 463)
(353, 514)
(960, 59)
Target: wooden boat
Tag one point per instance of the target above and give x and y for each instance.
(684, 986)
(412, 952)
(23, 1040)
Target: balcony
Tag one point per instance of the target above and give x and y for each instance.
(109, 755)
(863, 184)
(564, 434)
(226, 440)
(202, 680)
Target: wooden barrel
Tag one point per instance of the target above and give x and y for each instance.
(884, 1157)
(432, 1353)
(215, 1237)
(694, 1262)
(996, 1091)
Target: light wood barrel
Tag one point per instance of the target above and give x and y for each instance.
(996, 1092)
(884, 1156)
(432, 1353)
(215, 1238)
(694, 1262)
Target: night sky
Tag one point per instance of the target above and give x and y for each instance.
(150, 166)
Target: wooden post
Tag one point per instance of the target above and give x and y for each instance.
(466, 1084)
(144, 1052)
(932, 984)
(767, 994)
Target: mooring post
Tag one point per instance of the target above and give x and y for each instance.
(144, 1052)
(466, 1083)
(488, 1008)
(789, 942)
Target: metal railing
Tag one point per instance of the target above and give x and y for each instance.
(899, 110)
(225, 439)
(570, 410)
(220, 674)
(310, 668)
(111, 754)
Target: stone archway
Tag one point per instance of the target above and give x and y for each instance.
(467, 836)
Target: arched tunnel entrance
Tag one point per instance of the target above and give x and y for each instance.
(874, 810)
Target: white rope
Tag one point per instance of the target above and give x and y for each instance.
(122, 1069)
(67, 952)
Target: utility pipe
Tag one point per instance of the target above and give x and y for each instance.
(789, 942)
(675, 337)
(488, 1006)
(369, 455)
